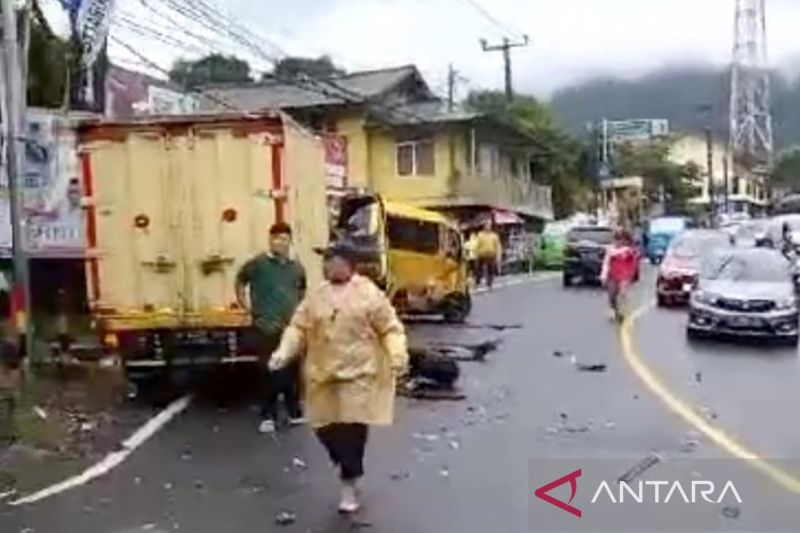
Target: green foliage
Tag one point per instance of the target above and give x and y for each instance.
(291, 67)
(214, 68)
(677, 183)
(47, 64)
(559, 160)
(787, 170)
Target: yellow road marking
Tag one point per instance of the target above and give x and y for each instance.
(681, 408)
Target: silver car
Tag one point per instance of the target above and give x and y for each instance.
(745, 292)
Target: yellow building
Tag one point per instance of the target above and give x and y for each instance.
(390, 134)
(747, 193)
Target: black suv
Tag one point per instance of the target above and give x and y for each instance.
(584, 253)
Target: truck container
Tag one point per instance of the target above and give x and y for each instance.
(173, 207)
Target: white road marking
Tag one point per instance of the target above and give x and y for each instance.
(113, 459)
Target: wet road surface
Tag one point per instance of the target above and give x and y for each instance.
(458, 467)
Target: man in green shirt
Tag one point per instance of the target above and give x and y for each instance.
(277, 283)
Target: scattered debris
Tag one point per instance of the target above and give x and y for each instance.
(731, 511)
(563, 416)
(285, 518)
(87, 426)
(454, 445)
(551, 430)
(168, 486)
(610, 425)
(148, 527)
(706, 412)
(41, 413)
(444, 472)
(424, 393)
(186, 455)
(28, 530)
(7, 494)
(698, 377)
(400, 476)
(592, 368)
(299, 463)
(137, 481)
(559, 353)
(199, 485)
(645, 464)
(428, 437)
(635, 396)
(690, 444)
(467, 352)
(576, 429)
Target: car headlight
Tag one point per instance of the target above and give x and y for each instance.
(704, 298)
(786, 304)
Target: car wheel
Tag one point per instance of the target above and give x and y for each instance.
(457, 308)
(661, 301)
(566, 280)
(694, 335)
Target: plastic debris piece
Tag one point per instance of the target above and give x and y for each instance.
(641, 467)
(299, 463)
(454, 445)
(285, 518)
(731, 511)
(41, 413)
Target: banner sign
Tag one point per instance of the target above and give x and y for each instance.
(51, 190)
(94, 19)
(336, 160)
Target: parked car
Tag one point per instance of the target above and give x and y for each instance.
(659, 235)
(680, 268)
(745, 292)
(584, 253)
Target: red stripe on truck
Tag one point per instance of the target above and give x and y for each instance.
(277, 180)
(91, 225)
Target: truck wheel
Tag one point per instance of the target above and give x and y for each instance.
(566, 280)
(457, 308)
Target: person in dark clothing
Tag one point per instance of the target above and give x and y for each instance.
(277, 283)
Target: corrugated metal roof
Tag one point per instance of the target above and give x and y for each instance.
(358, 86)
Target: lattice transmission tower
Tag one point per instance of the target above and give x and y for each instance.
(751, 141)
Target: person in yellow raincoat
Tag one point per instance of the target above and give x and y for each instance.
(355, 348)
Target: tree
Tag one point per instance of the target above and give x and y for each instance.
(663, 180)
(291, 67)
(214, 68)
(787, 170)
(559, 160)
(47, 63)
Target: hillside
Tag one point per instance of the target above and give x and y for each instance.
(675, 94)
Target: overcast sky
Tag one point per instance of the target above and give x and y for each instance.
(571, 40)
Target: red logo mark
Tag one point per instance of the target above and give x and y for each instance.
(542, 492)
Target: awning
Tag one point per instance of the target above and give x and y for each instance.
(505, 218)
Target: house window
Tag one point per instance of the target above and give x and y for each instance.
(416, 158)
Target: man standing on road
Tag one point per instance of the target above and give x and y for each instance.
(355, 350)
(277, 284)
(489, 253)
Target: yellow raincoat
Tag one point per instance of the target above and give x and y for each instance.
(355, 346)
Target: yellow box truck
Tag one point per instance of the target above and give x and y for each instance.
(173, 207)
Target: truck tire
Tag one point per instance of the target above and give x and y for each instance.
(456, 308)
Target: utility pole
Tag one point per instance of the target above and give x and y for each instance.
(506, 49)
(711, 188)
(726, 179)
(451, 86)
(13, 91)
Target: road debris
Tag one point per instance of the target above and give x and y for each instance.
(591, 368)
(299, 463)
(41, 413)
(444, 472)
(455, 445)
(732, 512)
(186, 455)
(285, 518)
(610, 425)
(698, 377)
(559, 353)
(428, 437)
(467, 351)
(641, 467)
(7, 494)
(690, 444)
(575, 429)
(551, 430)
(148, 527)
(400, 476)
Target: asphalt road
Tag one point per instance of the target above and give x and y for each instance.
(468, 466)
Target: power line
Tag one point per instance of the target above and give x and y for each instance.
(491, 18)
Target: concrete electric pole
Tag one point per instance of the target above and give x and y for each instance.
(13, 91)
(506, 47)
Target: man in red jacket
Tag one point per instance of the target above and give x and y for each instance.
(619, 270)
